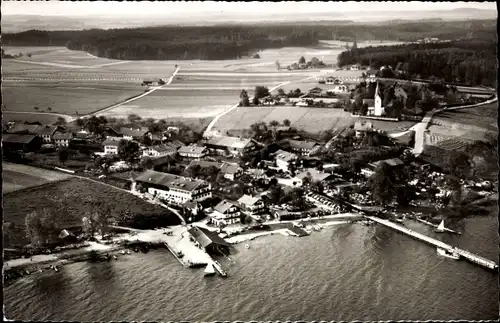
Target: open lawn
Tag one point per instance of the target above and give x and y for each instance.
(482, 118)
(17, 177)
(165, 104)
(68, 199)
(313, 120)
(64, 98)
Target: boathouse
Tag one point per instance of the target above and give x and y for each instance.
(208, 241)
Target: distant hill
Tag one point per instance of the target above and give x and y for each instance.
(19, 23)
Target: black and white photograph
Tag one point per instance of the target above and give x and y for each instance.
(205, 161)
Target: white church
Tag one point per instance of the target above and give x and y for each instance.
(377, 109)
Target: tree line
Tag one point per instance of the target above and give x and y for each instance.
(471, 61)
(235, 41)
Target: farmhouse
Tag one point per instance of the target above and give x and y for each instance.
(110, 132)
(304, 148)
(231, 145)
(160, 151)
(268, 100)
(111, 145)
(355, 67)
(134, 134)
(361, 127)
(251, 205)
(333, 80)
(393, 163)
(192, 152)
(226, 212)
(173, 188)
(62, 139)
(231, 171)
(208, 241)
(284, 159)
(26, 143)
(314, 174)
(339, 88)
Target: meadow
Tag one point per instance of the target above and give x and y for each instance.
(313, 120)
(17, 177)
(69, 199)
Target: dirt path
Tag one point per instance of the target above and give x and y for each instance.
(136, 97)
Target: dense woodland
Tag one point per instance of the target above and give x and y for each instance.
(231, 42)
(470, 61)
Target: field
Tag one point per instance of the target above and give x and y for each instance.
(313, 120)
(73, 194)
(464, 125)
(17, 177)
(63, 97)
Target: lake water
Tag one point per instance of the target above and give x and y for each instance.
(345, 272)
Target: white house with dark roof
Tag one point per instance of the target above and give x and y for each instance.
(251, 205)
(231, 145)
(304, 148)
(62, 139)
(226, 212)
(111, 145)
(231, 171)
(284, 159)
(174, 188)
(134, 134)
(193, 152)
(316, 176)
(160, 150)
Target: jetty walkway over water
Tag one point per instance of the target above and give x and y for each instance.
(463, 253)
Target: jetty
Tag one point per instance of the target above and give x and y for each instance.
(439, 244)
(435, 226)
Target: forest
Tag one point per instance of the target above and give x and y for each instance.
(468, 61)
(235, 41)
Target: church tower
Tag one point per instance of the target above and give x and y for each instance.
(379, 110)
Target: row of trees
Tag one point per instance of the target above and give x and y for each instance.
(259, 93)
(43, 227)
(470, 61)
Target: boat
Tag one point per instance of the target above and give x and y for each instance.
(209, 270)
(448, 254)
(247, 246)
(440, 227)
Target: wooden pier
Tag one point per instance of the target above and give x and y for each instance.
(439, 244)
(435, 226)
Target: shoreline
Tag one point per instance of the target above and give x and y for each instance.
(22, 267)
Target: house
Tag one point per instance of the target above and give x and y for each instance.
(192, 152)
(355, 67)
(204, 164)
(392, 162)
(332, 80)
(208, 241)
(134, 134)
(111, 145)
(152, 82)
(26, 143)
(251, 205)
(284, 159)
(46, 133)
(361, 127)
(231, 145)
(314, 174)
(62, 139)
(159, 151)
(303, 148)
(371, 74)
(339, 88)
(174, 188)
(231, 171)
(268, 100)
(340, 187)
(110, 132)
(226, 212)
